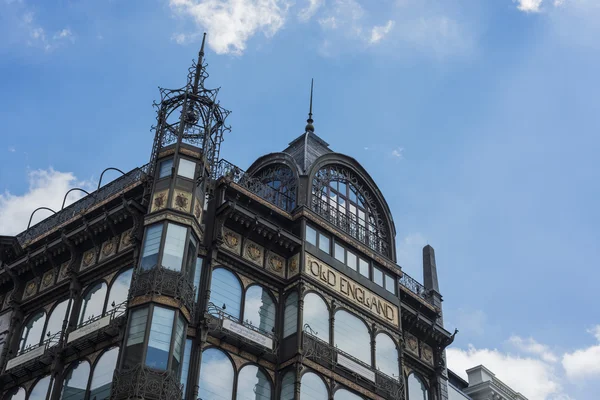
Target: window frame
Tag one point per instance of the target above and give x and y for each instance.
(243, 306)
(160, 163)
(318, 236)
(179, 159)
(161, 247)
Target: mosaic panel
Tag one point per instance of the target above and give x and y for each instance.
(232, 241)
(88, 259)
(126, 240)
(31, 288)
(182, 201)
(253, 253)
(411, 343)
(47, 279)
(275, 263)
(159, 201)
(293, 264)
(109, 248)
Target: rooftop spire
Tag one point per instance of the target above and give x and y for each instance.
(309, 125)
(199, 65)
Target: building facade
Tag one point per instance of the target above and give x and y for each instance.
(191, 278)
(482, 385)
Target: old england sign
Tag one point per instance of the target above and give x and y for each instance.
(355, 293)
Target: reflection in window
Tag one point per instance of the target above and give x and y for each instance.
(253, 384)
(216, 376)
(324, 243)
(386, 355)
(18, 394)
(197, 275)
(226, 291)
(363, 267)
(259, 309)
(352, 336)
(103, 375)
(311, 235)
(339, 253)
(151, 246)
(174, 245)
(165, 168)
(76, 382)
(316, 316)
(119, 289)
(192, 255)
(416, 388)
(280, 186)
(179, 343)
(378, 276)
(287, 386)
(135, 336)
(390, 284)
(40, 390)
(290, 316)
(93, 303)
(185, 366)
(351, 260)
(32, 332)
(343, 394)
(56, 321)
(159, 341)
(187, 168)
(312, 387)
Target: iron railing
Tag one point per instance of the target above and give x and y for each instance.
(117, 311)
(415, 287)
(49, 342)
(145, 383)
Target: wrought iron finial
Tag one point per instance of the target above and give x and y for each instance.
(199, 65)
(309, 126)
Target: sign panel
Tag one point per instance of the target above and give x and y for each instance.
(356, 367)
(248, 333)
(354, 292)
(30, 355)
(84, 330)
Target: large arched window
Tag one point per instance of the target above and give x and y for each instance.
(17, 394)
(386, 355)
(216, 376)
(290, 315)
(416, 388)
(287, 386)
(40, 390)
(340, 197)
(103, 375)
(316, 316)
(119, 289)
(312, 387)
(32, 331)
(253, 384)
(226, 291)
(352, 336)
(92, 303)
(343, 394)
(259, 308)
(56, 321)
(75, 385)
(280, 185)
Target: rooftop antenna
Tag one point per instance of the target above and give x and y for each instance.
(309, 126)
(199, 65)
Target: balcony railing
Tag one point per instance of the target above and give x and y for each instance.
(33, 357)
(415, 287)
(144, 383)
(232, 173)
(99, 325)
(323, 353)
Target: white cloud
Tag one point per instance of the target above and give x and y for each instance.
(307, 13)
(65, 33)
(11, 149)
(529, 6)
(47, 188)
(231, 23)
(398, 152)
(584, 363)
(531, 346)
(328, 23)
(379, 32)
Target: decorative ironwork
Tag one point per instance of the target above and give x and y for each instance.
(283, 199)
(281, 179)
(415, 287)
(50, 341)
(116, 312)
(144, 383)
(162, 281)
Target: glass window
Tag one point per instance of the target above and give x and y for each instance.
(311, 235)
(40, 390)
(216, 376)
(32, 332)
(312, 387)
(343, 394)
(136, 336)
(386, 355)
(119, 289)
(378, 276)
(93, 303)
(324, 243)
(18, 394)
(351, 260)
(159, 341)
(197, 275)
(187, 168)
(226, 291)
(290, 317)
(339, 253)
(192, 256)
(259, 309)
(56, 321)
(363, 267)
(390, 284)
(103, 374)
(151, 246)
(287, 386)
(174, 245)
(416, 388)
(166, 167)
(185, 366)
(75, 385)
(253, 384)
(179, 343)
(316, 316)
(352, 336)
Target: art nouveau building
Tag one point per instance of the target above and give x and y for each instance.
(191, 278)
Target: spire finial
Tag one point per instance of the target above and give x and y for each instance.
(199, 65)
(309, 125)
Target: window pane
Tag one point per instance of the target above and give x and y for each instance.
(343, 394)
(378, 276)
(192, 255)
(135, 337)
(187, 168)
(290, 318)
(151, 246)
(226, 292)
(253, 384)
(287, 386)
(166, 167)
(20, 394)
(159, 341)
(351, 261)
(103, 375)
(416, 388)
(216, 376)
(119, 289)
(339, 253)
(40, 390)
(312, 387)
(311, 235)
(179, 343)
(363, 267)
(76, 382)
(316, 316)
(324, 243)
(32, 333)
(197, 275)
(185, 366)
(259, 309)
(174, 245)
(93, 303)
(352, 336)
(56, 321)
(390, 283)
(386, 355)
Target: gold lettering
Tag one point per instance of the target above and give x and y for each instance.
(314, 264)
(331, 278)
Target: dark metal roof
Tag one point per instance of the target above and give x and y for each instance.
(306, 148)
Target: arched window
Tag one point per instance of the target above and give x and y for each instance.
(253, 384)
(56, 321)
(76, 382)
(280, 185)
(312, 387)
(32, 331)
(17, 394)
(119, 289)
(259, 308)
(226, 291)
(290, 315)
(352, 336)
(316, 316)
(287, 386)
(40, 390)
(416, 388)
(343, 394)
(216, 376)
(103, 375)
(386, 355)
(92, 304)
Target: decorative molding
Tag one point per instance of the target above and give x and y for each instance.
(31, 289)
(88, 259)
(126, 240)
(411, 343)
(275, 263)
(232, 241)
(47, 279)
(293, 265)
(182, 201)
(159, 201)
(109, 248)
(253, 252)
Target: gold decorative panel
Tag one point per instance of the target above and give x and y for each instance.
(411, 343)
(232, 241)
(109, 248)
(31, 288)
(126, 240)
(47, 279)
(63, 271)
(427, 353)
(182, 201)
(293, 265)
(159, 201)
(253, 252)
(275, 263)
(88, 259)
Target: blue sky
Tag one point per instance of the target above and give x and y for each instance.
(479, 120)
